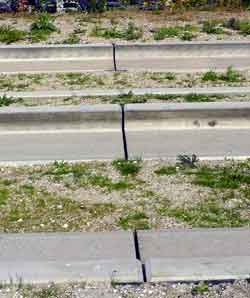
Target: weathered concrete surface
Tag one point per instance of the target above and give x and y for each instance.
(40, 146)
(39, 96)
(86, 117)
(198, 254)
(174, 64)
(188, 115)
(60, 145)
(39, 258)
(203, 142)
(197, 269)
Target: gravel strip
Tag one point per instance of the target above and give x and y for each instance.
(239, 289)
(96, 197)
(82, 25)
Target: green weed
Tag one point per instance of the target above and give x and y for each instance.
(210, 76)
(228, 177)
(134, 220)
(192, 97)
(201, 288)
(231, 75)
(212, 27)
(166, 171)
(8, 100)
(42, 27)
(182, 32)
(71, 39)
(127, 167)
(130, 33)
(9, 34)
(208, 213)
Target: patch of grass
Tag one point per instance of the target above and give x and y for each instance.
(134, 220)
(182, 32)
(210, 76)
(4, 195)
(42, 27)
(210, 213)
(126, 98)
(106, 183)
(9, 34)
(201, 288)
(30, 209)
(166, 171)
(212, 27)
(161, 77)
(132, 32)
(227, 177)
(243, 26)
(75, 78)
(127, 167)
(8, 100)
(193, 97)
(71, 39)
(82, 175)
(231, 75)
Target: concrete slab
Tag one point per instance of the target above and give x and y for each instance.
(197, 269)
(67, 257)
(199, 254)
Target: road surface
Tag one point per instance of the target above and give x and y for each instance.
(77, 145)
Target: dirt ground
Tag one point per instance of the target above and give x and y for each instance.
(81, 25)
(99, 196)
(239, 289)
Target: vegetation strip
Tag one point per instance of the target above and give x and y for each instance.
(124, 195)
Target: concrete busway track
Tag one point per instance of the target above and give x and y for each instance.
(126, 257)
(38, 97)
(179, 57)
(211, 130)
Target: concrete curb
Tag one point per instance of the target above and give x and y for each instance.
(71, 117)
(131, 57)
(39, 96)
(138, 116)
(170, 255)
(188, 115)
(124, 51)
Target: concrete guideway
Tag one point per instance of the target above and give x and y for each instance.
(177, 255)
(41, 258)
(38, 97)
(212, 130)
(193, 255)
(179, 57)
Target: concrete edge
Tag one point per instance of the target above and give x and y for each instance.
(36, 96)
(108, 45)
(64, 117)
(156, 116)
(194, 269)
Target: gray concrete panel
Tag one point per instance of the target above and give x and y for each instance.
(68, 257)
(198, 254)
